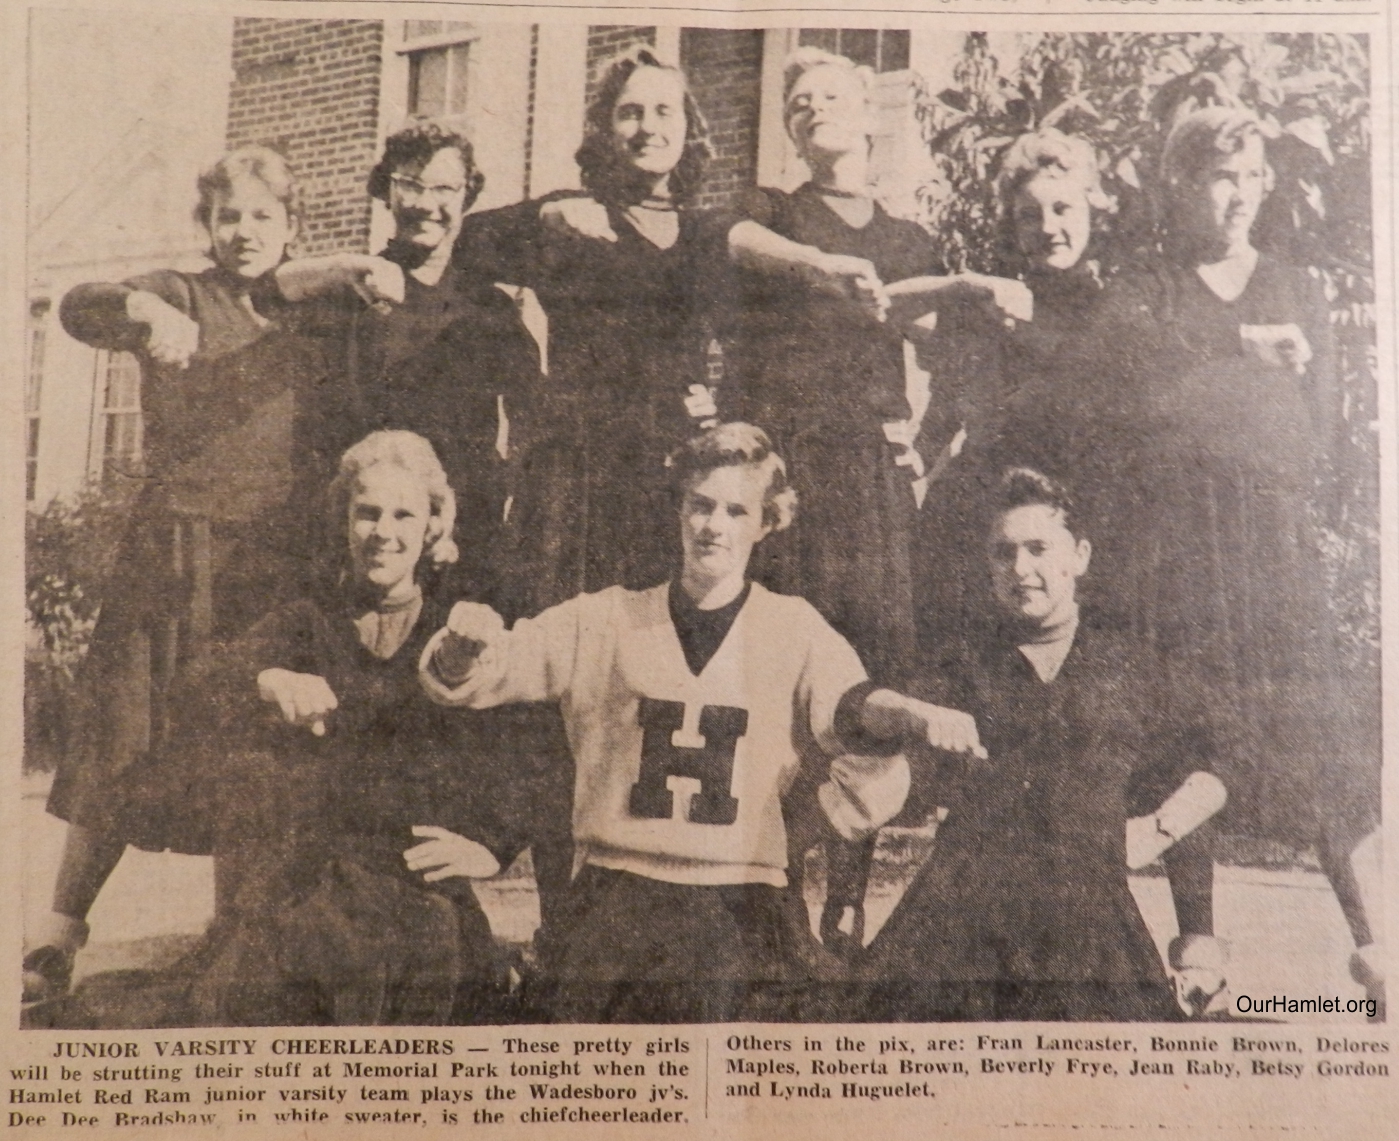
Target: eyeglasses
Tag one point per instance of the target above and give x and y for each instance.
(411, 188)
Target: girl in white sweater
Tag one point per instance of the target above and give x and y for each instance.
(703, 714)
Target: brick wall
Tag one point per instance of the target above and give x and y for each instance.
(606, 41)
(725, 72)
(311, 89)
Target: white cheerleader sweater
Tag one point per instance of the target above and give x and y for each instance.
(681, 777)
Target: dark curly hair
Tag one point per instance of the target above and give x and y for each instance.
(414, 146)
(1026, 487)
(603, 175)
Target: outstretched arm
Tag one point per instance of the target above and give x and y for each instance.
(373, 279)
(474, 662)
(915, 297)
(893, 716)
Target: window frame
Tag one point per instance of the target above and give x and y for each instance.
(879, 41)
(34, 395)
(465, 35)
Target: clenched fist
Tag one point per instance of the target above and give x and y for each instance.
(471, 627)
(304, 699)
(854, 279)
(1282, 346)
(1011, 299)
(948, 729)
(174, 336)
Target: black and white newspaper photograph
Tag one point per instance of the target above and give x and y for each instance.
(711, 576)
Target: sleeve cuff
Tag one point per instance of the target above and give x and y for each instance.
(437, 688)
(854, 738)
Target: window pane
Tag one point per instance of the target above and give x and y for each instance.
(123, 442)
(828, 39)
(456, 96)
(34, 381)
(893, 51)
(861, 46)
(880, 50)
(427, 82)
(123, 383)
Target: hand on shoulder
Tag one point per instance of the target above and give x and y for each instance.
(577, 218)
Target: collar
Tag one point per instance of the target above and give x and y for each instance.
(362, 602)
(682, 604)
(828, 192)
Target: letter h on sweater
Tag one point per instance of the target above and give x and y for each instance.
(713, 765)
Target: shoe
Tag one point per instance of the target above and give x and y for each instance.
(1367, 968)
(48, 968)
(1201, 981)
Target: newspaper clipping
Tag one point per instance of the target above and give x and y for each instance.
(698, 572)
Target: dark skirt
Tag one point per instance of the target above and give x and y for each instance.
(961, 946)
(357, 947)
(847, 553)
(1217, 563)
(641, 950)
(181, 586)
(593, 509)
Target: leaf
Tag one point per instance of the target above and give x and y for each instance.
(1079, 104)
(955, 99)
(1312, 131)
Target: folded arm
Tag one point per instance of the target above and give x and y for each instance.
(754, 247)
(914, 297)
(149, 313)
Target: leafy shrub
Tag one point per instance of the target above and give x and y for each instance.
(1121, 92)
(69, 548)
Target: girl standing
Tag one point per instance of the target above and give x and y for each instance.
(207, 539)
(628, 335)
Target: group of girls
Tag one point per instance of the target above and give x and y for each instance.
(1189, 405)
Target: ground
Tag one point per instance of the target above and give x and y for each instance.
(1284, 928)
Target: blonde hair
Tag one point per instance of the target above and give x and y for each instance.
(808, 59)
(737, 444)
(804, 59)
(410, 453)
(1053, 154)
(268, 166)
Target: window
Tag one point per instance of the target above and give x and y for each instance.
(439, 54)
(33, 390)
(880, 49)
(121, 412)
